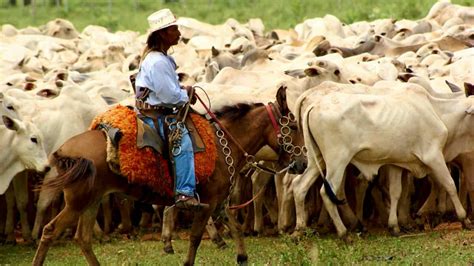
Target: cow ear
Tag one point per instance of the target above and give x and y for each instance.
(47, 93)
(281, 100)
(453, 87)
(297, 73)
(469, 88)
(29, 86)
(215, 52)
(10, 123)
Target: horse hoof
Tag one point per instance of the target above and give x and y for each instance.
(168, 250)
(467, 224)
(242, 260)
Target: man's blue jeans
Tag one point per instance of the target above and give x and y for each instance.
(184, 161)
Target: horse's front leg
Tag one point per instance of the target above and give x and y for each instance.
(197, 229)
(167, 230)
(236, 231)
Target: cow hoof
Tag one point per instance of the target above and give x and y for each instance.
(360, 228)
(407, 228)
(347, 239)
(168, 250)
(296, 235)
(10, 242)
(394, 231)
(221, 244)
(467, 224)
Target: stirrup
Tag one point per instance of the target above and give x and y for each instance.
(189, 203)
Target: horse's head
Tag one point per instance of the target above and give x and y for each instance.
(288, 142)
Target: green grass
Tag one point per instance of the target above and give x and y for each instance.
(131, 15)
(440, 248)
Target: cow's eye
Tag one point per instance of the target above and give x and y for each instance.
(34, 140)
(10, 108)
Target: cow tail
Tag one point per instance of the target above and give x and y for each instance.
(70, 171)
(315, 153)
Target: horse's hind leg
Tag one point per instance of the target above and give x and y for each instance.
(66, 218)
(84, 233)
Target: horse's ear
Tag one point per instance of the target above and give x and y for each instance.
(469, 88)
(281, 100)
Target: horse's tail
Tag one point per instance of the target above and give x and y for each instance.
(70, 171)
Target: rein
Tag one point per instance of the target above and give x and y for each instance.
(283, 136)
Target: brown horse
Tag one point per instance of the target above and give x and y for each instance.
(85, 177)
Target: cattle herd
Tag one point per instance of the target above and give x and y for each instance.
(384, 108)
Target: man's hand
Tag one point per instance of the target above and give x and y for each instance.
(191, 94)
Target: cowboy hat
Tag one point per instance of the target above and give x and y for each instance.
(161, 19)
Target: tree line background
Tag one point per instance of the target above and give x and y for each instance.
(132, 14)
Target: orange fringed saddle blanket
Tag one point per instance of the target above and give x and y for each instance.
(146, 166)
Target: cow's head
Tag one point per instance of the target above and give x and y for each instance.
(26, 144)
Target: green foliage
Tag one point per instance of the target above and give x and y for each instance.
(443, 248)
(126, 14)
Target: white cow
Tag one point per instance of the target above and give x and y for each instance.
(409, 128)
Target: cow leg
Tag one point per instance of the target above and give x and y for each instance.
(125, 203)
(335, 177)
(44, 201)
(169, 215)
(272, 208)
(2, 218)
(442, 175)
(20, 186)
(471, 200)
(346, 212)
(301, 185)
(107, 213)
(84, 233)
(259, 182)
(360, 190)
(430, 202)
(214, 234)
(10, 219)
(287, 203)
(323, 221)
(395, 186)
(199, 223)
(404, 203)
(66, 218)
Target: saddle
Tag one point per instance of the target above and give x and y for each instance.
(138, 152)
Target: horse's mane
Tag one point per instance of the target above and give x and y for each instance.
(236, 111)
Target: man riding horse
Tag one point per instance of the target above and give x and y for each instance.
(159, 94)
